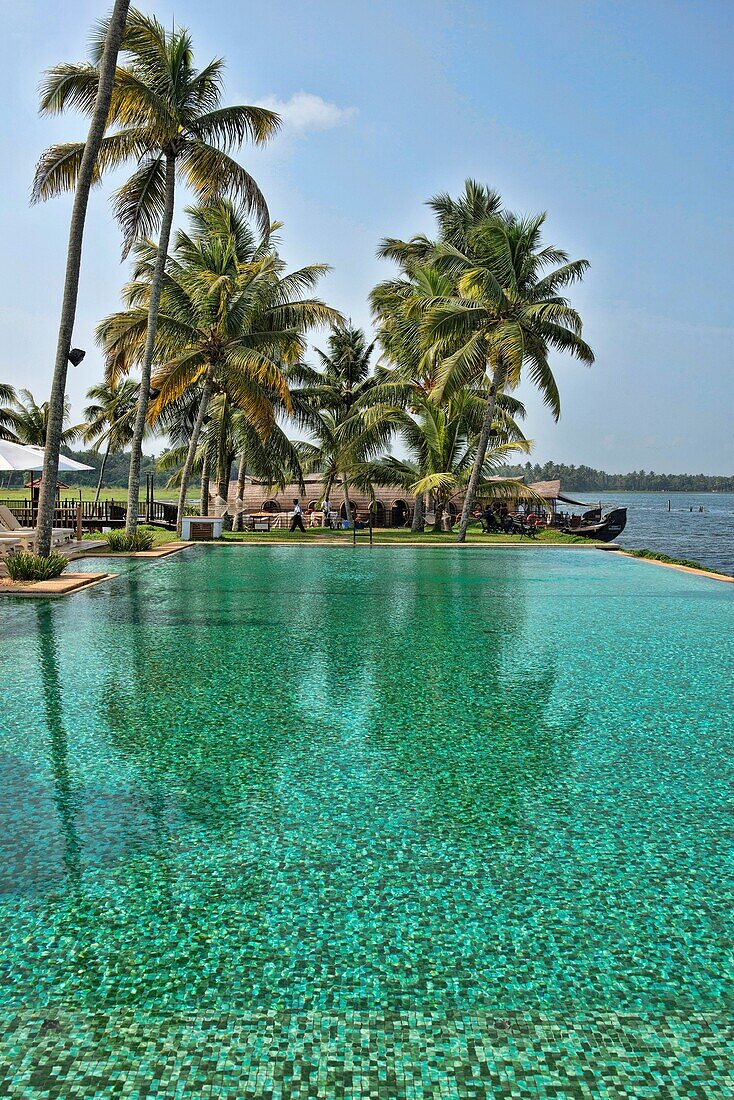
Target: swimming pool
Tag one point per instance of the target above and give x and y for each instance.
(438, 808)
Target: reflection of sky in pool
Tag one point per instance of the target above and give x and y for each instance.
(339, 781)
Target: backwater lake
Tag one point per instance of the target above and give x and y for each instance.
(683, 532)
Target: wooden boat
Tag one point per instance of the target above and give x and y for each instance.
(604, 529)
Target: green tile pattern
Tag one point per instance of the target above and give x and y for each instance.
(346, 823)
(373, 1055)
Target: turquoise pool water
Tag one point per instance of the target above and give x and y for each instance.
(470, 788)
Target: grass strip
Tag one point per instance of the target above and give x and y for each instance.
(652, 555)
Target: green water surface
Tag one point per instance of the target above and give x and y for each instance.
(335, 779)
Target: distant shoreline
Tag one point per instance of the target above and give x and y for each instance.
(662, 492)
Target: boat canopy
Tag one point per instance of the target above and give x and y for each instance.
(579, 503)
(551, 490)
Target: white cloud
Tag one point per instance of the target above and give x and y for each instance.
(305, 111)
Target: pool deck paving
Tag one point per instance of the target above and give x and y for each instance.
(163, 551)
(57, 586)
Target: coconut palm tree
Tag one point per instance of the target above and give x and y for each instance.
(398, 304)
(99, 100)
(230, 319)
(441, 445)
(7, 401)
(274, 460)
(479, 300)
(506, 314)
(440, 441)
(110, 419)
(30, 421)
(169, 121)
(27, 422)
(330, 400)
(455, 217)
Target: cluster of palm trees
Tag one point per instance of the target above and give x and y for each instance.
(216, 327)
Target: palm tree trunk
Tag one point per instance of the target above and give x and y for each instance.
(224, 462)
(136, 447)
(204, 494)
(241, 475)
(107, 67)
(418, 521)
(437, 517)
(484, 436)
(191, 452)
(347, 505)
(101, 473)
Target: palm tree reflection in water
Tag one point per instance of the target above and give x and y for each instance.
(64, 796)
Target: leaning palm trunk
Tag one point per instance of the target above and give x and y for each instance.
(108, 64)
(204, 492)
(418, 523)
(484, 437)
(101, 472)
(327, 491)
(191, 452)
(136, 449)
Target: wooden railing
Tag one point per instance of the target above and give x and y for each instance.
(105, 513)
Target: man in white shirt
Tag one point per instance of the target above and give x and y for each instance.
(297, 520)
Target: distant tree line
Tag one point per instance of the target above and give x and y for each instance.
(586, 479)
(115, 477)
(116, 471)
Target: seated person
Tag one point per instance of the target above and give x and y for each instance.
(488, 519)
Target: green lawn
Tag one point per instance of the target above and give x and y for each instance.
(88, 493)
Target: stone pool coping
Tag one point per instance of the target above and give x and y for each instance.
(674, 565)
(608, 547)
(69, 583)
(57, 586)
(163, 551)
(388, 545)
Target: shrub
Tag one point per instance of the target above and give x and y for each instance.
(651, 555)
(141, 539)
(24, 566)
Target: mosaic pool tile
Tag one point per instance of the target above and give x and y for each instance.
(370, 1055)
(373, 824)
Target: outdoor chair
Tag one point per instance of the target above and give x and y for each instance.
(9, 525)
(516, 526)
(489, 525)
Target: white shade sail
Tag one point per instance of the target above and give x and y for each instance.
(17, 456)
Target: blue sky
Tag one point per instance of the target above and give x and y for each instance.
(614, 117)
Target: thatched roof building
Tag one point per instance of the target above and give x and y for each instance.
(393, 505)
